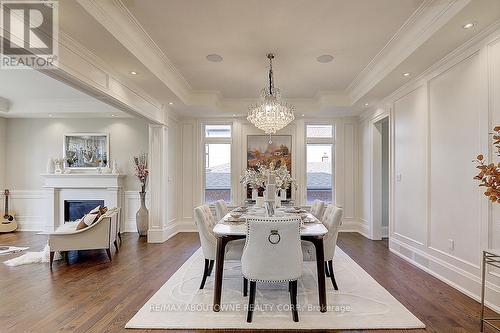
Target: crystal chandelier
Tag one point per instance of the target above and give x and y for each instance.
(271, 113)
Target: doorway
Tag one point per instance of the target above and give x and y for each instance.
(380, 179)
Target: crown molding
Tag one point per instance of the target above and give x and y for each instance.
(429, 17)
(486, 36)
(424, 22)
(122, 25)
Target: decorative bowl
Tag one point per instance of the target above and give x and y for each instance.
(236, 215)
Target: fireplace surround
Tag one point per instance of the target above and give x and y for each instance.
(106, 189)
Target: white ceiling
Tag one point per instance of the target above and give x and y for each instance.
(297, 31)
(373, 42)
(33, 94)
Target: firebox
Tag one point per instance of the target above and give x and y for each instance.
(75, 209)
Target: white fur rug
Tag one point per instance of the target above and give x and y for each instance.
(32, 258)
(360, 303)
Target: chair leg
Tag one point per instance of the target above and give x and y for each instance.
(327, 271)
(332, 275)
(211, 267)
(116, 245)
(108, 251)
(51, 258)
(251, 301)
(205, 273)
(245, 287)
(120, 236)
(293, 297)
(66, 256)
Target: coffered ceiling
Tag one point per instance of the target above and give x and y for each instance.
(373, 42)
(297, 31)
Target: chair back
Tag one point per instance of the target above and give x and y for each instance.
(272, 249)
(328, 210)
(318, 208)
(220, 209)
(332, 223)
(205, 222)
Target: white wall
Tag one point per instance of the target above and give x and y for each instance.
(3, 138)
(30, 142)
(440, 221)
(345, 163)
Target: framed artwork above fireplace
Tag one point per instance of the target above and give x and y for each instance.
(86, 150)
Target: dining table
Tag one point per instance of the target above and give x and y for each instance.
(229, 229)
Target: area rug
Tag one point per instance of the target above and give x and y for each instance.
(33, 258)
(360, 303)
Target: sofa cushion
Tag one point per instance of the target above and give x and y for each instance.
(67, 227)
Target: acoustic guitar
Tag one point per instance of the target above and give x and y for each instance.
(8, 222)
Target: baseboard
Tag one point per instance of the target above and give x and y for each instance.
(352, 224)
(470, 284)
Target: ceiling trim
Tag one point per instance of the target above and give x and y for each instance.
(429, 17)
(425, 21)
(122, 25)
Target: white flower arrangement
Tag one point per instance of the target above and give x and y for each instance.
(253, 178)
(258, 178)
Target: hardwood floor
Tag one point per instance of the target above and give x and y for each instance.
(93, 295)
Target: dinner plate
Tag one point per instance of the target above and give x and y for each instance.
(234, 220)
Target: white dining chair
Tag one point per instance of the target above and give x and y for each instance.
(318, 208)
(220, 209)
(332, 222)
(272, 253)
(205, 222)
(328, 210)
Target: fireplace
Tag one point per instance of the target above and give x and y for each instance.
(75, 209)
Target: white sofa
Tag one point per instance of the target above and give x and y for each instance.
(100, 235)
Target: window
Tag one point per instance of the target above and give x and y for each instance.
(320, 131)
(217, 145)
(320, 162)
(217, 131)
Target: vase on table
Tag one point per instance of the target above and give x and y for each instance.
(255, 193)
(282, 195)
(142, 216)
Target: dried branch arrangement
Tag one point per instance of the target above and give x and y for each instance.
(489, 174)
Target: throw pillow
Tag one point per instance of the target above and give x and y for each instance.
(86, 221)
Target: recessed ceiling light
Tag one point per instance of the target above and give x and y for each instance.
(303, 115)
(133, 73)
(50, 116)
(366, 104)
(170, 103)
(234, 114)
(406, 74)
(112, 115)
(468, 25)
(324, 58)
(214, 57)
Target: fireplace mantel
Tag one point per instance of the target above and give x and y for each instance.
(83, 180)
(82, 186)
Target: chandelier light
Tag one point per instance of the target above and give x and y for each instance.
(271, 113)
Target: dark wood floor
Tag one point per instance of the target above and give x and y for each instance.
(93, 295)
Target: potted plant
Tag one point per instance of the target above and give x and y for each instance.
(142, 173)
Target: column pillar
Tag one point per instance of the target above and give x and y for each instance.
(159, 230)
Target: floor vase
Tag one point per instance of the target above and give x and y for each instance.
(142, 216)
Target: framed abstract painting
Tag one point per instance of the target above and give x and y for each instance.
(261, 152)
